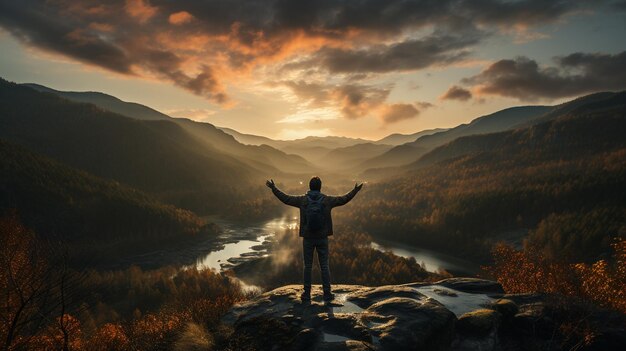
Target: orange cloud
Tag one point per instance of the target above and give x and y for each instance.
(101, 27)
(140, 10)
(180, 18)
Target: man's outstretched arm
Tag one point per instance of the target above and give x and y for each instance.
(286, 199)
(342, 200)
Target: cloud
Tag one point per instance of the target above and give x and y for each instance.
(358, 101)
(352, 100)
(180, 17)
(105, 47)
(313, 94)
(309, 115)
(203, 46)
(522, 13)
(204, 83)
(140, 9)
(456, 93)
(575, 74)
(619, 5)
(77, 43)
(424, 105)
(403, 56)
(398, 112)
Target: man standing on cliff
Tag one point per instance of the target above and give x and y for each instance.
(316, 225)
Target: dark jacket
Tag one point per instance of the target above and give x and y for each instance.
(329, 202)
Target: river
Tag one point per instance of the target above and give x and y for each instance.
(432, 261)
(244, 242)
(239, 242)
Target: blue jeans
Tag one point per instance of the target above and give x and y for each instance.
(321, 245)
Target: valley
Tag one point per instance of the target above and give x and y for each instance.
(245, 175)
(133, 195)
(208, 170)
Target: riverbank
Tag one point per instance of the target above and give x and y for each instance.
(250, 243)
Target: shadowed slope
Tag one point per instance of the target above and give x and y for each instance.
(98, 216)
(155, 156)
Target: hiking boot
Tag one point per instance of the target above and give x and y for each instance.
(305, 297)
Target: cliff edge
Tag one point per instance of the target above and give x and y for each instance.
(452, 314)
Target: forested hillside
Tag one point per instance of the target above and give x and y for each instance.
(106, 102)
(266, 159)
(95, 218)
(563, 180)
(495, 122)
(160, 157)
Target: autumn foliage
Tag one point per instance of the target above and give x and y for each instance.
(44, 308)
(602, 283)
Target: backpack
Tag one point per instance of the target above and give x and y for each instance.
(314, 214)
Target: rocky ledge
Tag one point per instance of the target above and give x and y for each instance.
(452, 314)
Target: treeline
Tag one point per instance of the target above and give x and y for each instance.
(352, 261)
(571, 169)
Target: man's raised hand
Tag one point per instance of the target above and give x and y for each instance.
(358, 186)
(270, 183)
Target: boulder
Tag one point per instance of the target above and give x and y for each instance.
(415, 316)
(478, 323)
(507, 308)
(306, 339)
(524, 298)
(395, 317)
(425, 324)
(533, 321)
(366, 298)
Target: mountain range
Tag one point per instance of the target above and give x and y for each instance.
(369, 159)
(312, 153)
(195, 166)
(556, 185)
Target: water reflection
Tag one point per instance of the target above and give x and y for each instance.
(431, 260)
(458, 302)
(242, 242)
(231, 253)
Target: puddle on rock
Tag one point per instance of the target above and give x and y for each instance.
(345, 306)
(456, 301)
(328, 337)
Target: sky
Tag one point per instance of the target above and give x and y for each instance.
(290, 69)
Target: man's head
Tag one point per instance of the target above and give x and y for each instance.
(315, 184)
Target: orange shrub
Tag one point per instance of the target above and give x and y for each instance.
(603, 282)
(157, 331)
(109, 337)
